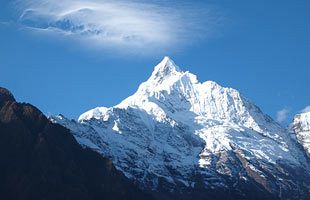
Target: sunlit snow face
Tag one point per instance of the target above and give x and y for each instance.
(139, 24)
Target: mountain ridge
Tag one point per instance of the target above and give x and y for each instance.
(175, 128)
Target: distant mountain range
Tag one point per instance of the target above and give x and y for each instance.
(175, 138)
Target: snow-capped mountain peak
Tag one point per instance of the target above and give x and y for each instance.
(165, 68)
(164, 76)
(176, 93)
(174, 126)
(176, 97)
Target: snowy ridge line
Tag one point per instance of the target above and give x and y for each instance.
(174, 127)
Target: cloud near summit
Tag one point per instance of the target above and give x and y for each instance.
(120, 23)
(282, 115)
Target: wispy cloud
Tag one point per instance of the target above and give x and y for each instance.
(306, 109)
(120, 23)
(282, 115)
(4, 23)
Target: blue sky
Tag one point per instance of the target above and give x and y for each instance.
(261, 48)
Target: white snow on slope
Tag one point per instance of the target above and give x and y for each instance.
(301, 126)
(174, 127)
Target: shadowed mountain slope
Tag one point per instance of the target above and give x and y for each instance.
(42, 160)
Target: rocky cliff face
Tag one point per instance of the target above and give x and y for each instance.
(177, 136)
(41, 160)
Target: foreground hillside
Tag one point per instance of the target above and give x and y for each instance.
(41, 160)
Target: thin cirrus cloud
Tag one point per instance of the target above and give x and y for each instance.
(120, 23)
